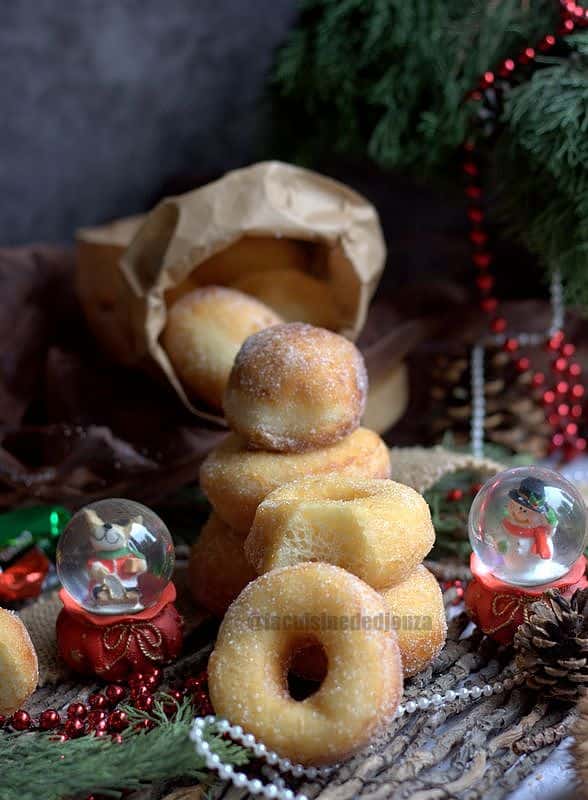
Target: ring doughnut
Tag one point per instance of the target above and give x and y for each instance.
(236, 479)
(218, 569)
(295, 295)
(19, 669)
(248, 668)
(203, 334)
(377, 529)
(295, 387)
(416, 605)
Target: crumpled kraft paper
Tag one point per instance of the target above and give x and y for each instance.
(208, 235)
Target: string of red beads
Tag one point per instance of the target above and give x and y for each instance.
(563, 399)
(99, 716)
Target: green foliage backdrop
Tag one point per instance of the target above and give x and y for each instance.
(387, 79)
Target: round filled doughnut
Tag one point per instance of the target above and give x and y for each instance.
(377, 529)
(218, 569)
(418, 617)
(19, 669)
(295, 295)
(271, 620)
(203, 333)
(236, 479)
(295, 387)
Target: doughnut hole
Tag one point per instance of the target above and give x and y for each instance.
(377, 529)
(248, 668)
(295, 387)
(203, 333)
(236, 479)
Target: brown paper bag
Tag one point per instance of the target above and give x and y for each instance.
(266, 218)
(270, 216)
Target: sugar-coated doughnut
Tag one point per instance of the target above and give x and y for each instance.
(418, 617)
(295, 295)
(203, 334)
(272, 619)
(236, 479)
(19, 669)
(295, 387)
(218, 569)
(377, 529)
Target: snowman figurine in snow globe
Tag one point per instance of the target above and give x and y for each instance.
(115, 560)
(527, 528)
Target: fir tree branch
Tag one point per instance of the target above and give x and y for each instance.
(33, 766)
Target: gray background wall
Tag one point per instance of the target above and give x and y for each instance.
(103, 101)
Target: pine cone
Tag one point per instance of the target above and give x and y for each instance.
(553, 645)
(513, 418)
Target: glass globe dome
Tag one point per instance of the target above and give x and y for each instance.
(115, 557)
(527, 526)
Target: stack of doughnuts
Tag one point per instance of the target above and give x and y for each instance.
(306, 523)
(377, 529)
(294, 400)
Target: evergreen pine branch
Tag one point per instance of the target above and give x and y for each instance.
(387, 79)
(33, 765)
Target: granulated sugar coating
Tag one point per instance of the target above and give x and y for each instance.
(416, 606)
(218, 569)
(272, 619)
(295, 387)
(203, 334)
(377, 529)
(236, 479)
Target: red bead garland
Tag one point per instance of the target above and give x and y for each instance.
(562, 399)
(98, 717)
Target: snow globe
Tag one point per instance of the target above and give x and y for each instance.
(527, 528)
(115, 560)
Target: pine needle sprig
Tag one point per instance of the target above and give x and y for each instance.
(33, 765)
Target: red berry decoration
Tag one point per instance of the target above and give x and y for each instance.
(96, 716)
(577, 391)
(117, 721)
(498, 325)
(74, 728)
(21, 720)
(538, 379)
(548, 397)
(145, 703)
(49, 719)
(511, 345)
(455, 495)
(144, 725)
(77, 711)
(97, 700)
(115, 693)
(116, 738)
(523, 364)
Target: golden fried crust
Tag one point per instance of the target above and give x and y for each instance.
(236, 479)
(249, 666)
(19, 669)
(203, 334)
(218, 569)
(295, 295)
(416, 606)
(417, 615)
(295, 387)
(377, 529)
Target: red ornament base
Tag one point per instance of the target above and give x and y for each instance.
(113, 647)
(498, 608)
